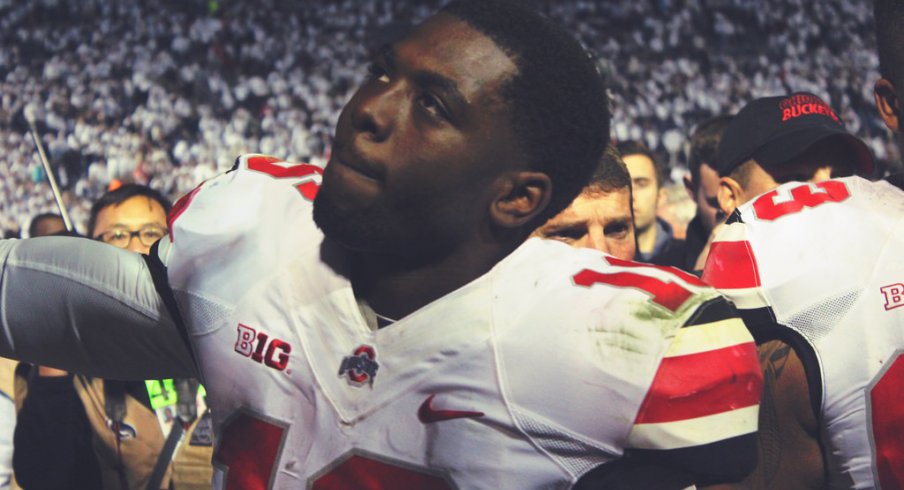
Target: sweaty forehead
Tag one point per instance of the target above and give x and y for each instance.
(449, 47)
(134, 211)
(604, 206)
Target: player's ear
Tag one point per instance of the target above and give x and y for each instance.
(662, 197)
(689, 187)
(888, 104)
(826, 172)
(520, 196)
(730, 195)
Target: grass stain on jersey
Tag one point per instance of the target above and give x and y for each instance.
(648, 311)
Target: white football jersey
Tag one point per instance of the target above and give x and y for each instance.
(554, 362)
(819, 266)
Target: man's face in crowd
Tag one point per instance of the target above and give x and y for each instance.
(134, 214)
(418, 146)
(645, 188)
(706, 196)
(596, 219)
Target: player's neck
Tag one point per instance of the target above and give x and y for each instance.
(396, 289)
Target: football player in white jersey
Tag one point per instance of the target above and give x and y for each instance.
(399, 331)
(812, 268)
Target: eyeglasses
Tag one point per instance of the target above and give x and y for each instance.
(120, 237)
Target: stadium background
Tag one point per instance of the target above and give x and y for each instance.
(169, 92)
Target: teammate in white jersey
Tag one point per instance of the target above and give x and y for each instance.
(502, 363)
(812, 268)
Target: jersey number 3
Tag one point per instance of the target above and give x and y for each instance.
(773, 205)
(887, 423)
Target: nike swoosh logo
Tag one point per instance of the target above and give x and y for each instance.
(428, 415)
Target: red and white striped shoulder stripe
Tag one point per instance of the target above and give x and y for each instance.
(707, 387)
(731, 268)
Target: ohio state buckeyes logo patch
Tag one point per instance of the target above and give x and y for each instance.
(894, 295)
(361, 367)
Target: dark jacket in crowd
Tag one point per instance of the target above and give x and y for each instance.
(668, 250)
(694, 242)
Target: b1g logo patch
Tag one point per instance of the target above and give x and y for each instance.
(361, 367)
(894, 295)
(261, 349)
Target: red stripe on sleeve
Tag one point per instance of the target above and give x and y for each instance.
(179, 208)
(701, 384)
(731, 265)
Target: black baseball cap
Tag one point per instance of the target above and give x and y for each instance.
(773, 130)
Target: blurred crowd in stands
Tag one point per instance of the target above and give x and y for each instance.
(168, 93)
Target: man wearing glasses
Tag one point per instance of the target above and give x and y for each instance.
(127, 423)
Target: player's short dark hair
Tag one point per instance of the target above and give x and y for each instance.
(558, 99)
(610, 174)
(742, 174)
(704, 144)
(889, 15)
(122, 194)
(36, 222)
(634, 147)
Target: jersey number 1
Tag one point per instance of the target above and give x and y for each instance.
(665, 293)
(307, 186)
(303, 172)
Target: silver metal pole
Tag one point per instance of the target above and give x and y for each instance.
(29, 117)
